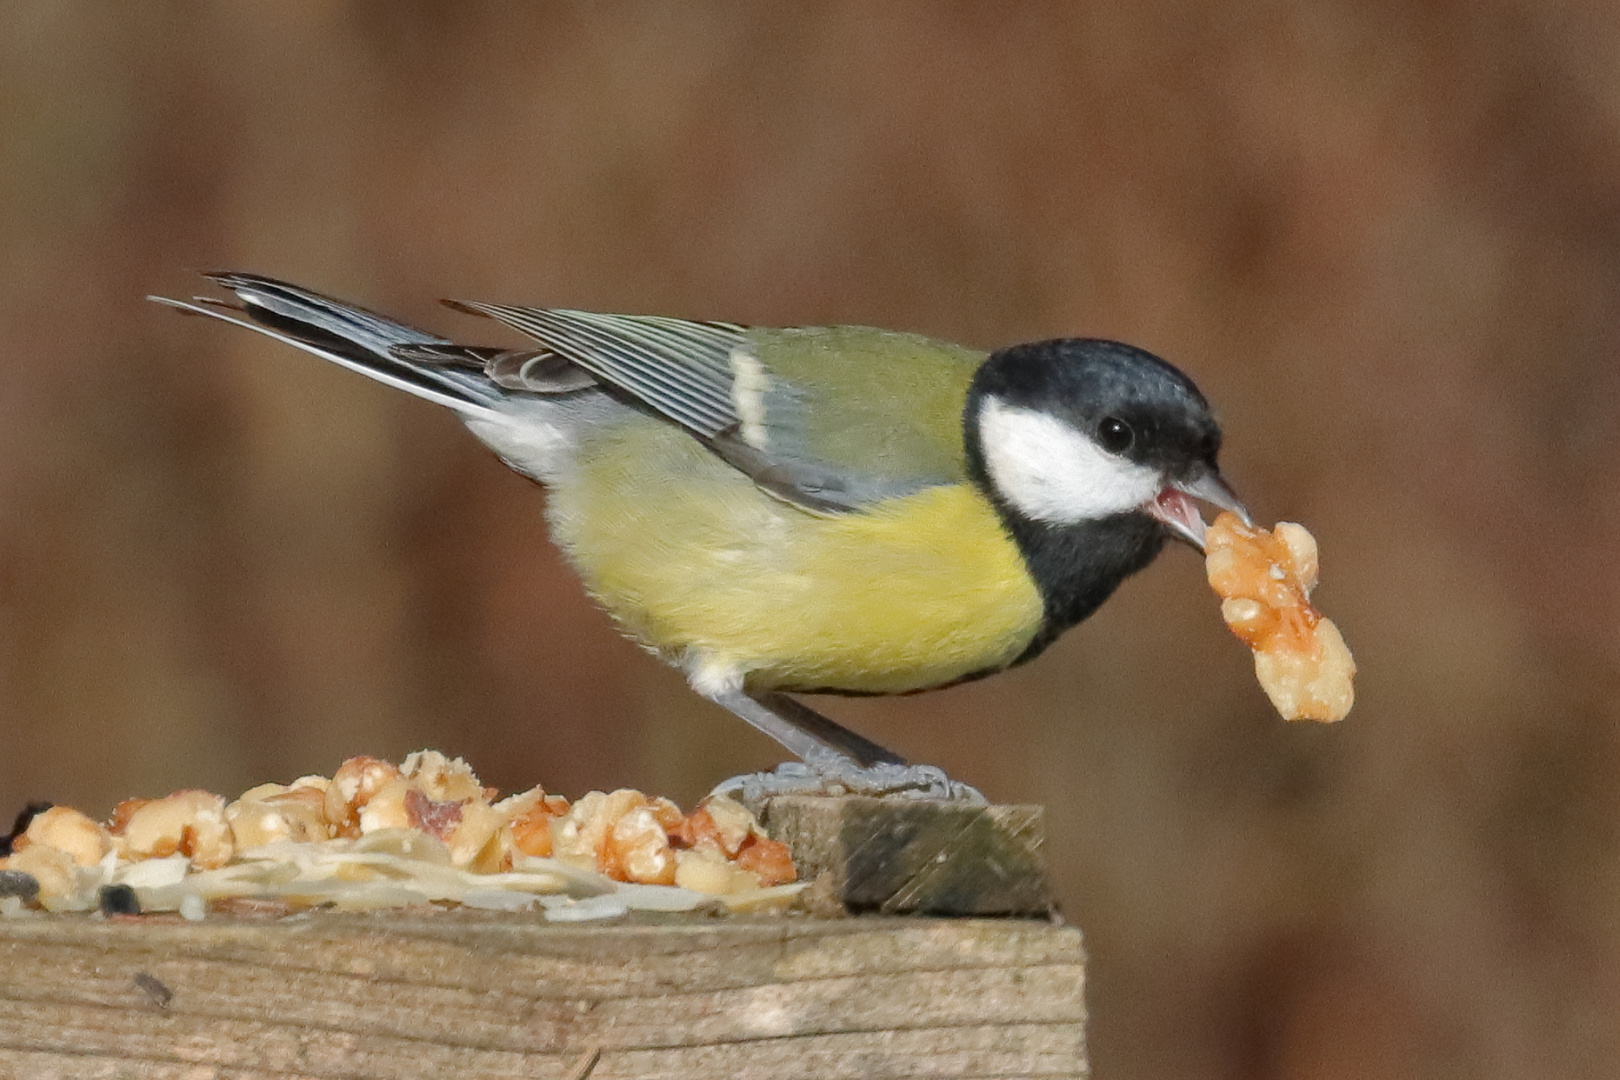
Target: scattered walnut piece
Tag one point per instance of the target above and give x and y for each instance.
(356, 783)
(619, 834)
(720, 825)
(1265, 580)
(473, 831)
(122, 812)
(254, 824)
(386, 809)
(768, 860)
(529, 816)
(53, 868)
(719, 822)
(272, 812)
(638, 849)
(438, 796)
(67, 830)
(580, 834)
(304, 807)
(432, 816)
(706, 870)
(189, 822)
(668, 814)
(443, 779)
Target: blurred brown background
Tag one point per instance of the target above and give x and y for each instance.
(1384, 237)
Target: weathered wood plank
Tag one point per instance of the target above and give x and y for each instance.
(897, 856)
(492, 997)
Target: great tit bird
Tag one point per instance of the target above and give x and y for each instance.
(810, 510)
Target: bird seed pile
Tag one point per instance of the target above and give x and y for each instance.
(378, 835)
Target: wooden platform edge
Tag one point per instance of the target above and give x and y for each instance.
(482, 996)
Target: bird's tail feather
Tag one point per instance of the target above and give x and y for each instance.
(344, 334)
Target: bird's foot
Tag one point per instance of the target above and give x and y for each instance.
(841, 776)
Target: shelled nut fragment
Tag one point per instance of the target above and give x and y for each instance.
(85, 840)
(723, 825)
(272, 812)
(191, 823)
(617, 834)
(53, 869)
(529, 816)
(1265, 581)
(354, 784)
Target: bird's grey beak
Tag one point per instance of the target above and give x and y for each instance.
(1175, 505)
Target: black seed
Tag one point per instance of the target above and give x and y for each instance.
(17, 883)
(118, 900)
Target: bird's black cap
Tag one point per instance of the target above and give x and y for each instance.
(1131, 403)
(1086, 381)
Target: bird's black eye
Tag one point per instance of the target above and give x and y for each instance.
(1115, 435)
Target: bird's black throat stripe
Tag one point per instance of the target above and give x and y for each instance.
(1075, 567)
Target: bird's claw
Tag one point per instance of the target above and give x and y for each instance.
(844, 777)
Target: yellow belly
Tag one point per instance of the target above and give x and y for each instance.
(696, 562)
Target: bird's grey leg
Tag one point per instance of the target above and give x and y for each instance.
(834, 759)
(804, 732)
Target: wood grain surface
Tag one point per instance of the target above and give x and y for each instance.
(899, 856)
(478, 996)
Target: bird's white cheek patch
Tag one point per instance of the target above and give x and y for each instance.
(1050, 471)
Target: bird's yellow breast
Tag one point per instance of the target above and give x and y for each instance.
(696, 562)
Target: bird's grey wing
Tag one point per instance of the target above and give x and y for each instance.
(708, 378)
(678, 368)
(539, 371)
